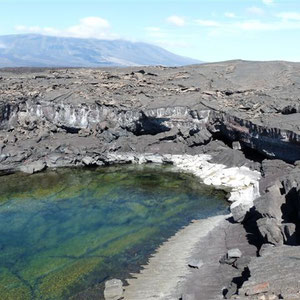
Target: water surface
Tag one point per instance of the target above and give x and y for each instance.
(64, 232)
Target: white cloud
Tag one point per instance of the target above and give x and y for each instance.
(267, 2)
(2, 46)
(153, 29)
(256, 25)
(230, 15)
(176, 20)
(172, 43)
(207, 23)
(269, 26)
(216, 28)
(37, 29)
(155, 32)
(289, 16)
(89, 27)
(255, 10)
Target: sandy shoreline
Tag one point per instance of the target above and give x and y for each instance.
(168, 267)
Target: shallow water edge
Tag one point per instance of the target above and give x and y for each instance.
(241, 182)
(243, 185)
(66, 230)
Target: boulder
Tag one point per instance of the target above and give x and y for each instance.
(264, 247)
(274, 273)
(269, 204)
(289, 233)
(137, 75)
(236, 145)
(227, 260)
(87, 160)
(33, 167)
(195, 263)
(230, 291)
(239, 210)
(113, 289)
(234, 253)
(199, 138)
(270, 229)
(242, 262)
(231, 257)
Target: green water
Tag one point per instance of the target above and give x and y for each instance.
(64, 232)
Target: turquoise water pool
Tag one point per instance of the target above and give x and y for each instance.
(64, 232)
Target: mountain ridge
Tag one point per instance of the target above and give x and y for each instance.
(36, 50)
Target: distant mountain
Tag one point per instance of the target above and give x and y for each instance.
(33, 50)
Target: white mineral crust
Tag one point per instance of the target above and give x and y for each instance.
(242, 182)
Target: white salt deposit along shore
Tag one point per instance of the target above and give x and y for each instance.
(242, 182)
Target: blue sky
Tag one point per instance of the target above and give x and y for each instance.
(209, 30)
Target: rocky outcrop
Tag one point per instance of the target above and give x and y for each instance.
(34, 167)
(271, 275)
(214, 278)
(235, 125)
(270, 141)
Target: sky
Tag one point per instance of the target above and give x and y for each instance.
(208, 30)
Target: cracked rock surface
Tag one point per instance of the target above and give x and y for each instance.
(242, 114)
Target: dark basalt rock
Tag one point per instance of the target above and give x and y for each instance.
(272, 274)
(241, 113)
